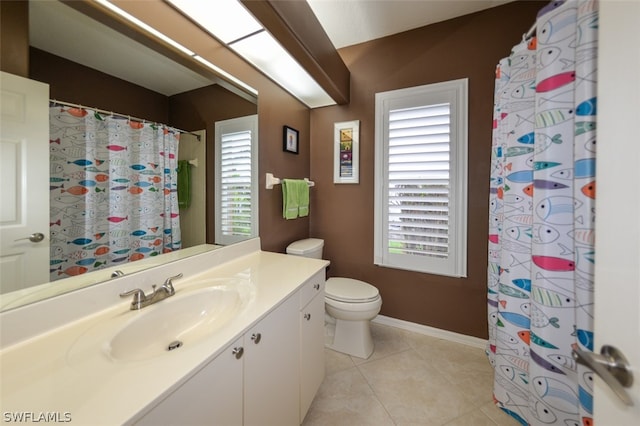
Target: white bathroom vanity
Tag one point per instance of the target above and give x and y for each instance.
(240, 343)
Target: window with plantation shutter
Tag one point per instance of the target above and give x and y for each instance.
(236, 216)
(420, 171)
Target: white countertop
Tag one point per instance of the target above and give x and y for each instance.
(49, 374)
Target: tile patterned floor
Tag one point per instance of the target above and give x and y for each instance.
(410, 379)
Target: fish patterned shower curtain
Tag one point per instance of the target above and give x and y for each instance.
(113, 195)
(541, 231)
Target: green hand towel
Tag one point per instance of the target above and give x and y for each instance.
(295, 198)
(289, 199)
(303, 198)
(184, 184)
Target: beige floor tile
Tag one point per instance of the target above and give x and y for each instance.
(387, 341)
(412, 391)
(416, 340)
(474, 418)
(336, 361)
(477, 388)
(498, 416)
(345, 398)
(410, 380)
(457, 362)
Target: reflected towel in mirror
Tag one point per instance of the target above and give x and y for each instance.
(184, 184)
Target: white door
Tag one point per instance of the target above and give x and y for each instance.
(24, 178)
(617, 307)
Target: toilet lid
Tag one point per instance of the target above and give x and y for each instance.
(350, 290)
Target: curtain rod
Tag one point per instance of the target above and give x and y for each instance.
(526, 36)
(102, 111)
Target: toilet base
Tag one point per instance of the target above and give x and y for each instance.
(349, 337)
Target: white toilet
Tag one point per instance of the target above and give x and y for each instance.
(350, 306)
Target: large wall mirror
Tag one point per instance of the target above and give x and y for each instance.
(64, 45)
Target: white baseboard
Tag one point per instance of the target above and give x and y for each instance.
(431, 331)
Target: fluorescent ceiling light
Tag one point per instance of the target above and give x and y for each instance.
(232, 24)
(267, 55)
(228, 20)
(177, 45)
(144, 26)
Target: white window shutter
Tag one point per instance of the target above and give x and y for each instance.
(236, 216)
(420, 214)
(235, 186)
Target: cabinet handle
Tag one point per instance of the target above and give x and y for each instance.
(256, 337)
(238, 352)
(307, 317)
(316, 286)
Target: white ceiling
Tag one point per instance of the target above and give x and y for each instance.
(349, 22)
(61, 30)
(65, 32)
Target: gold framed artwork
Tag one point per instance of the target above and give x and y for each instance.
(346, 167)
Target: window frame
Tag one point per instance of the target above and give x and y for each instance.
(455, 93)
(235, 125)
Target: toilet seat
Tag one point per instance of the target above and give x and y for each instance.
(350, 291)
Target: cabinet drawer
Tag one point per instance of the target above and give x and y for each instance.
(311, 288)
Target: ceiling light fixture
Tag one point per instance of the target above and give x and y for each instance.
(232, 24)
(176, 45)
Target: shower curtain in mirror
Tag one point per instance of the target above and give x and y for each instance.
(541, 231)
(113, 185)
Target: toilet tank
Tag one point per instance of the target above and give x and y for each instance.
(311, 247)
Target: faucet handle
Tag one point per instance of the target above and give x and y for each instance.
(168, 284)
(138, 295)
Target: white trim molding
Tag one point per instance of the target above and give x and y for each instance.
(476, 342)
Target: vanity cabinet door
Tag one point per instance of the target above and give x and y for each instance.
(213, 396)
(271, 368)
(311, 344)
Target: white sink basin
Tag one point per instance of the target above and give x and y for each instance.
(174, 323)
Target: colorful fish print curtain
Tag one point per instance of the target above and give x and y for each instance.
(113, 190)
(541, 231)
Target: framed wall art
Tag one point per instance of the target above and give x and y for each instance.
(346, 167)
(290, 141)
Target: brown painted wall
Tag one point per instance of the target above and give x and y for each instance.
(14, 37)
(72, 82)
(466, 47)
(276, 110)
(200, 109)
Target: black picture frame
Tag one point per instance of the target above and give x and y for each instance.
(290, 140)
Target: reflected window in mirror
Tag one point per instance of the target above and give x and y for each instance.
(236, 184)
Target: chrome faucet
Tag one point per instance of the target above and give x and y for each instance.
(117, 273)
(140, 299)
